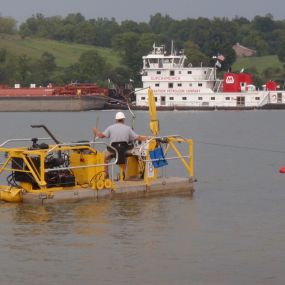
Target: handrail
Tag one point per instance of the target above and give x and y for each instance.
(166, 158)
(266, 98)
(24, 139)
(159, 138)
(171, 140)
(72, 145)
(78, 144)
(83, 166)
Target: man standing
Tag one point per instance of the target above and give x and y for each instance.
(120, 136)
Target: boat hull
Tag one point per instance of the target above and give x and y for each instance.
(123, 190)
(51, 103)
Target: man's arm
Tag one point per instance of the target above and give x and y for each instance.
(98, 133)
(135, 137)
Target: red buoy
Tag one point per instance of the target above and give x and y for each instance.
(282, 169)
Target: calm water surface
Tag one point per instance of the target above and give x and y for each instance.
(231, 232)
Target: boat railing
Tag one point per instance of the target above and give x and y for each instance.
(218, 85)
(23, 152)
(75, 146)
(21, 140)
(171, 143)
(210, 74)
(265, 100)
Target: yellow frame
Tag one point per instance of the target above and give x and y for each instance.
(24, 153)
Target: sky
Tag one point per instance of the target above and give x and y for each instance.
(140, 11)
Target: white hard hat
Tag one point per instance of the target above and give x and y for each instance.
(120, 116)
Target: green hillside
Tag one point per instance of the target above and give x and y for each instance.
(68, 53)
(260, 63)
(65, 53)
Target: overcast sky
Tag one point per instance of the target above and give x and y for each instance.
(141, 10)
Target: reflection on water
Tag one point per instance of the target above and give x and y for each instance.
(231, 232)
(92, 238)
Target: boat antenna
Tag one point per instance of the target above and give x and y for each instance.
(172, 48)
(96, 125)
(129, 107)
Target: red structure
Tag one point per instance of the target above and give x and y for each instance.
(80, 89)
(236, 82)
(271, 85)
(71, 90)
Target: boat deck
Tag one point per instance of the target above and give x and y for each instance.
(123, 190)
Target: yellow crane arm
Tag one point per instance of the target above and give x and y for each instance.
(154, 123)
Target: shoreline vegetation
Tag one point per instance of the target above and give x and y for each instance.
(73, 49)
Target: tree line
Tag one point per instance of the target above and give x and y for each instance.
(200, 38)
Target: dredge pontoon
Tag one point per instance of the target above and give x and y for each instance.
(43, 173)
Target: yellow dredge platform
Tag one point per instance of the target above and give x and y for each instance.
(60, 172)
(40, 176)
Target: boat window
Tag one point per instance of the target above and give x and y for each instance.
(176, 60)
(158, 72)
(155, 98)
(257, 98)
(143, 98)
(170, 85)
(205, 72)
(228, 98)
(179, 72)
(146, 63)
(153, 60)
(172, 73)
(184, 98)
(213, 98)
(190, 84)
(200, 84)
(200, 98)
(179, 84)
(156, 84)
(189, 72)
(171, 98)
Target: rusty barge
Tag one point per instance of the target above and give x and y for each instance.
(72, 97)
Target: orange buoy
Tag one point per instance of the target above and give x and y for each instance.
(282, 169)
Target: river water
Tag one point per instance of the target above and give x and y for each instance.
(231, 232)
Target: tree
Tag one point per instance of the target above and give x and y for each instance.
(8, 25)
(263, 24)
(130, 26)
(91, 67)
(120, 75)
(194, 54)
(159, 23)
(3, 55)
(106, 30)
(127, 45)
(255, 40)
(47, 61)
(23, 69)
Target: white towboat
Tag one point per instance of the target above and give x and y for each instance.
(179, 87)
